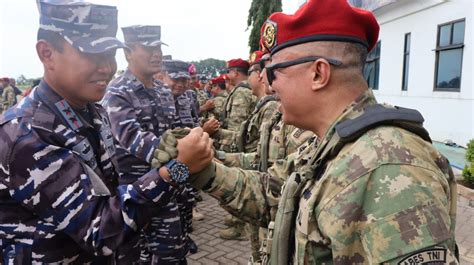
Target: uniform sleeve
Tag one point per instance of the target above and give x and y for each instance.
(242, 160)
(227, 139)
(399, 212)
(126, 128)
(54, 184)
(249, 195)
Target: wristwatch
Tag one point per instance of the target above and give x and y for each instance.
(178, 171)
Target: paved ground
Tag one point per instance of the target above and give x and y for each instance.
(213, 250)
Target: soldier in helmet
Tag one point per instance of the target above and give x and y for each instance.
(373, 189)
(60, 201)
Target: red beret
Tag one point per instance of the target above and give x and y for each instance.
(320, 20)
(218, 80)
(238, 63)
(256, 57)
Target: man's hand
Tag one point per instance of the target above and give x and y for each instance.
(195, 150)
(207, 106)
(211, 126)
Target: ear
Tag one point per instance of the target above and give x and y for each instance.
(321, 74)
(128, 54)
(46, 53)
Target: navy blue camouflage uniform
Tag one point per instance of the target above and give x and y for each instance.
(59, 197)
(139, 117)
(186, 116)
(60, 201)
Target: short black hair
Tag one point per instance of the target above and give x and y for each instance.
(221, 86)
(56, 40)
(359, 51)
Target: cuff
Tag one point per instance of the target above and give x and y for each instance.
(204, 177)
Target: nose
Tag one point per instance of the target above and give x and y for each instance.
(107, 65)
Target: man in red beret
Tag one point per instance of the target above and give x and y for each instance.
(373, 189)
(219, 96)
(240, 102)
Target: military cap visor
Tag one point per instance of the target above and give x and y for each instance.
(87, 27)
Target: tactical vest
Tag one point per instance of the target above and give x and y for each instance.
(280, 240)
(243, 137)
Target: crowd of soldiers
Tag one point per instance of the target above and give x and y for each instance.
(104, 169)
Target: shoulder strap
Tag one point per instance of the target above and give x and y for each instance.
(378, 115)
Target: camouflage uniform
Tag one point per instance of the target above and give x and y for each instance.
(246, 139)
(139, 116)
(375, 195)
(8, 97)
(59, 197)
(218, 111)
(277, 141)
(238, 106)
(201, 98)
(186, 114)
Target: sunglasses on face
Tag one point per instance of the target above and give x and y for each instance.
(271, 68)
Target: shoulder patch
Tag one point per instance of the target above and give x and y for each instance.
(426, 256)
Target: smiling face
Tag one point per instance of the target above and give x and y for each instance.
(145, 59)
(178, 86)
(292, 87)
(80, 76)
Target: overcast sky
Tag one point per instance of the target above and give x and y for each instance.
(194, 30)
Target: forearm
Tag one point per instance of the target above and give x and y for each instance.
(241, 192)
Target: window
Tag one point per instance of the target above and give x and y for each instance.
(449, 53)
(406, 61)
(372, 67)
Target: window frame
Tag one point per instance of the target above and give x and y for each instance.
(451, 46)
(376, 61)
(406, 62)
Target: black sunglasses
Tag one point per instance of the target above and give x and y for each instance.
(271, 68)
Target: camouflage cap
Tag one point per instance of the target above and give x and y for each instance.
(87, 27)
(145, 35)
(176, 69)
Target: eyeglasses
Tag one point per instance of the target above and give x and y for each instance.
(271, 68)
(251, 71)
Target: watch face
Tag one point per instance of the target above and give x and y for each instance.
(179, 172)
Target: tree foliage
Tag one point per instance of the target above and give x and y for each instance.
(259, 11)
(209, 67)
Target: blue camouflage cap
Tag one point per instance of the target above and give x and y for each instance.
(87, 27)
(145, 35)
(176, 69)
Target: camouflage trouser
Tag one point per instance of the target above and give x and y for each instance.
(186, 201)
(254, 232)
(165, 239)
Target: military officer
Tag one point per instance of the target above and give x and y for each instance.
(219, 95)
(59, 197)
(373, 189)
(240, 101)
(141, 109)
(246, 139)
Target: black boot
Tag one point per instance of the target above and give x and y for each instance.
(193, 248)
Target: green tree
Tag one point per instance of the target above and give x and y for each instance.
(209, 67)
(259, 11)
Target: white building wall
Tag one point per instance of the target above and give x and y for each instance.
(448, 115)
